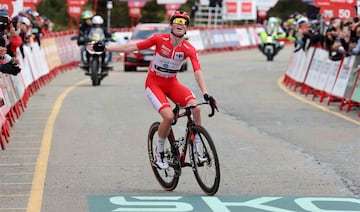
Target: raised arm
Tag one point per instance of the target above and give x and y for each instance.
(128, 47)
(100, 47)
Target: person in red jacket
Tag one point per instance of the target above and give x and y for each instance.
(15, 40)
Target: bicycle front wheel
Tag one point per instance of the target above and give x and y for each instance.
(167, 178)
(205, 161)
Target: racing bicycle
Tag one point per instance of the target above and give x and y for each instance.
(204, 162)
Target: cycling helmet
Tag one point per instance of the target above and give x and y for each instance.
(87, 14)
(97, 20)
(180, 14)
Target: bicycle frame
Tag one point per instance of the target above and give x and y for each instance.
(188, 134)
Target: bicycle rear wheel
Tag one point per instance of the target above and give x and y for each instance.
(205, 161)
(168, 178)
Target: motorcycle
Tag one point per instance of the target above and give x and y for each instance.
(270, 45)
(96, 62)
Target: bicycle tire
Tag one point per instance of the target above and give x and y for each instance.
(94, 72)
(207, 172)
(168, 178)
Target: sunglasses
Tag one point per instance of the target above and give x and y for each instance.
(180, 21)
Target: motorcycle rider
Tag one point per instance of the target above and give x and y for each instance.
(82, 36)
(97, 23)
(272, 27)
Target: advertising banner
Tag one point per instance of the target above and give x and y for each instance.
(135, 7)
(327, 67)
(13, 6)
(356, 95)
(352, 78)
(75, 7)
(343, 9)
(336, 3)
(332, 77)
(342, 12)
(195, 39)
(316, 67)
(343, 77)
(239, 10)
(306, 56)
(30, 4)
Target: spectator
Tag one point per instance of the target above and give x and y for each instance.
(355, 47)
(7, 64)
(26, 31)
(14, 38)
(35, 29)
(47, 26)
(329, 39)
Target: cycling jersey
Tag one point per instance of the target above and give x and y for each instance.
(167, 58)
(161, 81)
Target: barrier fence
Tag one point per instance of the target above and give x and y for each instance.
(315, 74)
(310, 71)
(39, 65)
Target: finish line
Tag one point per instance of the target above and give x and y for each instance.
(170, 203)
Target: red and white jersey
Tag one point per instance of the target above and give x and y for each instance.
(168, 59)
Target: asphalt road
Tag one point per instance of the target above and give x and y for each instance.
(76, 140)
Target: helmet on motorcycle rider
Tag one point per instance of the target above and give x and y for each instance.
(180, 17)
(87, 14)
(97, 20)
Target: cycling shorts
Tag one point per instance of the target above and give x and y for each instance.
(159, 89)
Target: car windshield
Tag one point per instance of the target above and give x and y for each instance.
(143, 33)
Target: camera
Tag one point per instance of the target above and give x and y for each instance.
(4, 20)
(356, 19)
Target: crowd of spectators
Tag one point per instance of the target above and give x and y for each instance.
(15, 32)
(339, 37)
(25, 28)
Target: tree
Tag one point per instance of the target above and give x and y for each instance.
(284, 8)
(151, 12)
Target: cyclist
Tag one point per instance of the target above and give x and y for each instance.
(171, 52)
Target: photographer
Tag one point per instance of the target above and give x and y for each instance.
(7, 63)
